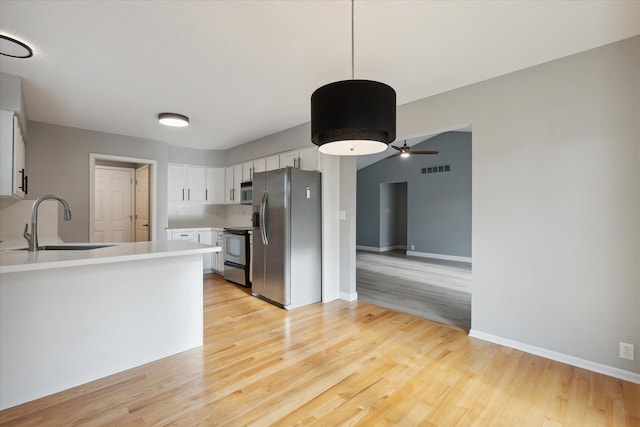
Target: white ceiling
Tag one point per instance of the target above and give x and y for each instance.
(245, 69)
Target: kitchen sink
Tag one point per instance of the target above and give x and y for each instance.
(69, 247)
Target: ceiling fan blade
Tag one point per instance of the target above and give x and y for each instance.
(423, 152)
(397, 148)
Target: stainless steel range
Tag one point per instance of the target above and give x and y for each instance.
(237, 255)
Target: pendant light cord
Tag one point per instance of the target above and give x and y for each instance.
(353, 74)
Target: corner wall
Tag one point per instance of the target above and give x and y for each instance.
(556, 202)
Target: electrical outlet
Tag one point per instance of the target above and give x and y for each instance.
(626, 350)
(413, 247)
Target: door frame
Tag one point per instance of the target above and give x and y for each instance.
(153, 196)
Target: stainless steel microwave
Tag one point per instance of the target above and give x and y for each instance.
(246, 193)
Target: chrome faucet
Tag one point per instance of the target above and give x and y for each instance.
(32, 237)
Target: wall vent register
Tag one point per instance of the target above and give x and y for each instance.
(437, 169)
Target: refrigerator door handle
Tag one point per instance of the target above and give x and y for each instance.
(263, 230)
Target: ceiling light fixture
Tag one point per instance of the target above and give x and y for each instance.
(353, 117)
(173, 119)
(14, 48)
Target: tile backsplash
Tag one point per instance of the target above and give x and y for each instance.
(13, 217)
(218, 216)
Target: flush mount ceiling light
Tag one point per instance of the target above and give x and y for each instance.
(173, 119)
(14, 48)
(353, 117)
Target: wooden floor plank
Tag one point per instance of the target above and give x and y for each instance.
(434, 289)
(340, 363)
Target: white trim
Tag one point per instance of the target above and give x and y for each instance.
(380, 249)
(559, 357)
(153, 193)
(353, 296)
(440, 256)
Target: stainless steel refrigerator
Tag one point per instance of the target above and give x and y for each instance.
(287, 237)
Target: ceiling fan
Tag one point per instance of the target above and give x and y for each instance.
(405, 151)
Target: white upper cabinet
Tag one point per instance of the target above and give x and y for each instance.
(177, 183)
(13, 178)
(186, 183)
(259, 165)
(272, 163)
(218, 185)
(228, 185)
(196, 183)
(247, 171)
(304, 158)
(309, 159)
(290, 158)
(233, 178)
(214, 193)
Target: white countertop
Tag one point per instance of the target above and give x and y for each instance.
(12, 261)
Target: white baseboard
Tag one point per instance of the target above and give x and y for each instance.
(439, 256)
(353, 296)
(380, 249)
(559, 357)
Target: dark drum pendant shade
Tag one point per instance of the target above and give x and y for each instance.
(353, 117)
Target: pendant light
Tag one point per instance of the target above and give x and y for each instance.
(353, 117)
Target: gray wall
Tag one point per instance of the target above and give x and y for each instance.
(196, 157)
(438, 204)
(556, 200)
(290, 139)
(58, 162)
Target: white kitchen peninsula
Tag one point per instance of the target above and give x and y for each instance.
(68, 317)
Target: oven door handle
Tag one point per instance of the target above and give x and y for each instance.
(263, 222)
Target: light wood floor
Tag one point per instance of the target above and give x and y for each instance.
(340, 363)
(434, 289)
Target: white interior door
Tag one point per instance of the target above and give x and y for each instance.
(113, 204)
(142, 204)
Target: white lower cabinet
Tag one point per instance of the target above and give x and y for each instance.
(208, 236)
(219, 256)
(205, 237)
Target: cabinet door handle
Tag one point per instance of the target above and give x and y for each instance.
(206, 194)
(189, 194)
(25, 181)
(184, 235)
(183, 194)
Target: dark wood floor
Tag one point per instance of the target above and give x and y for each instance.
(434, 289)
(336, 364)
